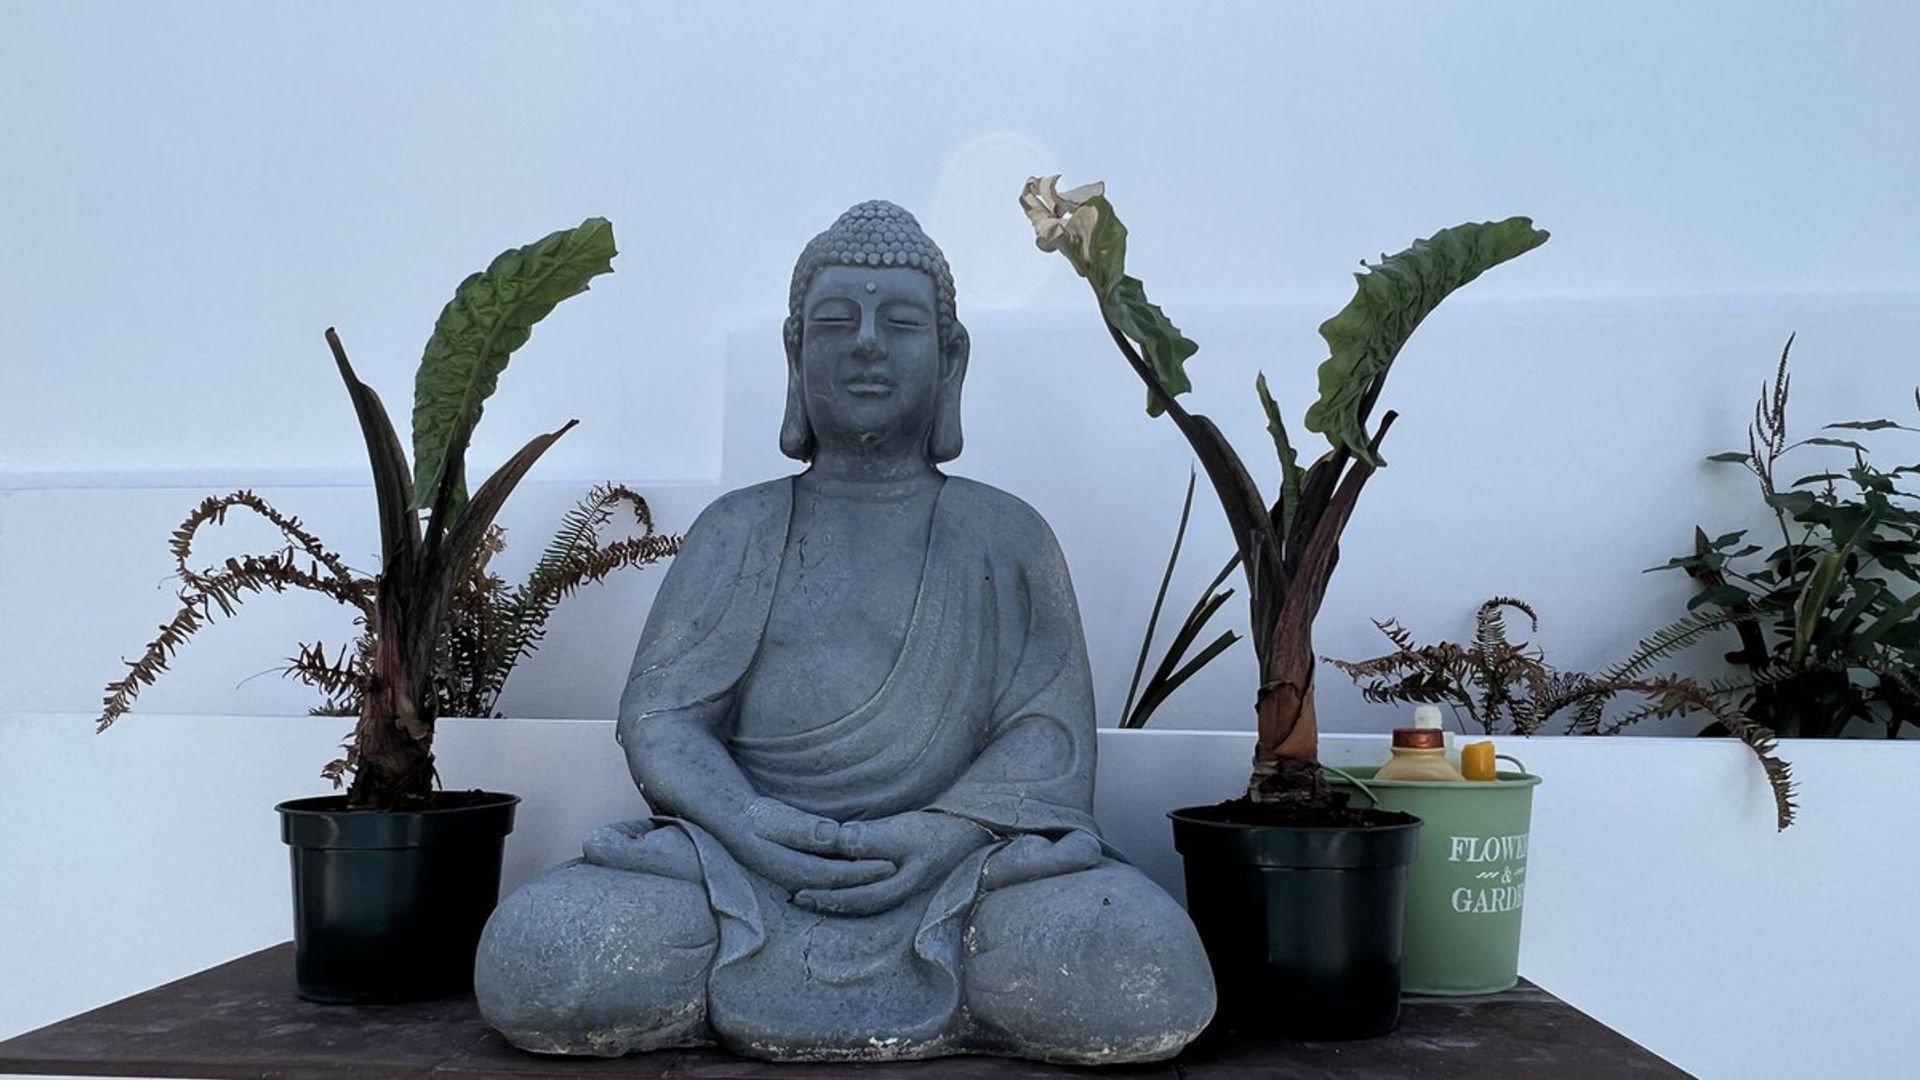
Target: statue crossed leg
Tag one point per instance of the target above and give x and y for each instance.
(1074, 968)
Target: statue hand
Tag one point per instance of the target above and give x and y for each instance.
(925, 845)
(797, 850)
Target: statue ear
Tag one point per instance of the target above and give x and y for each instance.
(796, 430)
(944, 442)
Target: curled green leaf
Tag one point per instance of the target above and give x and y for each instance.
(1162, 345)
(491, 314)
(1124, 303)
(1391, 299)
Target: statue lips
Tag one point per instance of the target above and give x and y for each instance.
(869, 384)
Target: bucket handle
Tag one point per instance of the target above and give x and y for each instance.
(1354, 780)
(1375, 799)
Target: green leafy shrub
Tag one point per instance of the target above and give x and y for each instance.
(1828, 620)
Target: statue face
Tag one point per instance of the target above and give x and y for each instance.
(870, 362)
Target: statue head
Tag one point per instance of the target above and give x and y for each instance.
(874, 290)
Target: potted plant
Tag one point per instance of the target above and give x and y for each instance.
(1297, 895)
(1828, 622)
(394, 880)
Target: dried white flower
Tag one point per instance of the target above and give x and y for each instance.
(1061, 220)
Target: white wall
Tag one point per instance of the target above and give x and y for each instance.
(194, 191)
(191, 193)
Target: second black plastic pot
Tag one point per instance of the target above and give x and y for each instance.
(388, 905)
(1302, 925)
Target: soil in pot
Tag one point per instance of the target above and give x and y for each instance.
(1244, 811)
(388, 905)
(1301, 913)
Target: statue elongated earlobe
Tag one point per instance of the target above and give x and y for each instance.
(796, 430)
(944, 441)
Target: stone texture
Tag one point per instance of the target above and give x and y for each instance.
(862, 713)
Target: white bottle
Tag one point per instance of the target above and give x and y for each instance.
(1428, 716)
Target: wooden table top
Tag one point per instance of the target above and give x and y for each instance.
(241, 1020)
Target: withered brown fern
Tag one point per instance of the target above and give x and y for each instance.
(490, 626)
(223, 588)
(1506, 687)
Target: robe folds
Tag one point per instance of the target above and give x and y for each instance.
(987, 715)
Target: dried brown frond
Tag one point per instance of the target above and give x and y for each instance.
(1508, 687)
(1673, 695)
(1492, 624)
(1401, 637)
(574, 557)
(469, 665)
(225, 588)
(311, 666)
(337, 581)
(337, 769)
(489, 626)
(1426, 674)
(1503, 664)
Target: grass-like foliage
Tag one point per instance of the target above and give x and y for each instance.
(1506, 687)
(1828, 620)
(1175, 666)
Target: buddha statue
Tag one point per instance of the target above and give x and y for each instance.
(862, 717)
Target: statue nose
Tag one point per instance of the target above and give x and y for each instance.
(866, 344)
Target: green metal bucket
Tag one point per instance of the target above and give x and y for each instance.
(1468, 883)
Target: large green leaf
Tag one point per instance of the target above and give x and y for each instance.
(1123, 300)
(1392, 297)
(491, 314)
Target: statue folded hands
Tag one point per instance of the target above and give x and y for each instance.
(862, 716)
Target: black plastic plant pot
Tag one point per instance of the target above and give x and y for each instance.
(388, 905)
(1302, 925)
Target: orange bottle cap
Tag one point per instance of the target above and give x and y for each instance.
(1413, 738)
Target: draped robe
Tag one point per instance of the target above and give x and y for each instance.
(987, 715)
